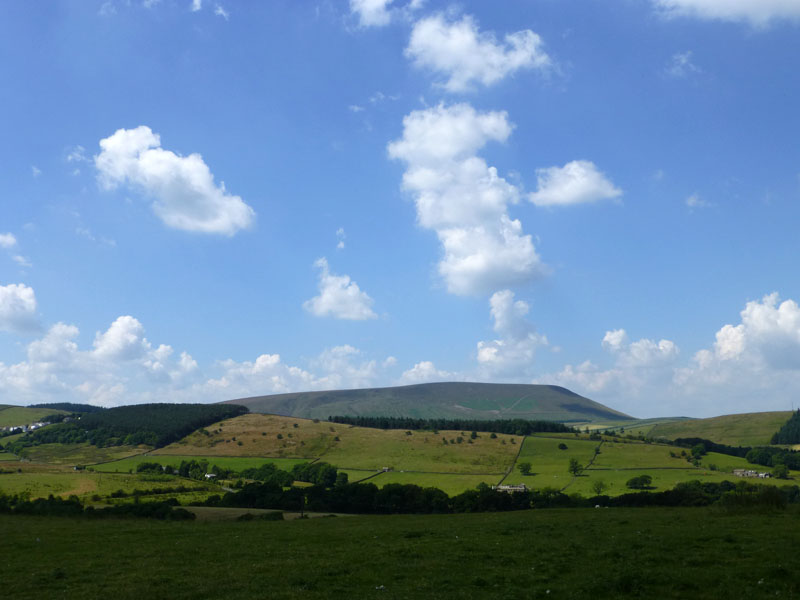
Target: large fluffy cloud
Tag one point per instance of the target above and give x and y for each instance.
(514, 348)
(339, 297)
(757, 12)
(464, 56)
(577, 182)
(463, 199)
(184, 193)
(18, 308)
(752, 365)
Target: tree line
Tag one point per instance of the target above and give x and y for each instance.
(56, 506)
(508, 426)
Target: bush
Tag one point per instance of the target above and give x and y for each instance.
(642, 482)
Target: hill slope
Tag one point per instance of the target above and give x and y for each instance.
(748, 429)
(439, 400)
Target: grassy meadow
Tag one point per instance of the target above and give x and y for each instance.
(11, 416)
(237, 463)
(41, 480)
(748, 429)
(79, 454)
(560, 553)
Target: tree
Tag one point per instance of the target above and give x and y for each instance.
(641, 482)
(575, 468)
(698, 450)
(562, 446)
(781, 471)
(525, 468)
(598, 487)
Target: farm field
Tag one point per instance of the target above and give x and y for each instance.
(559, 553)
(237, 463)
(356, 448)
(78, 454)
(21, 415)
(42, 480)
(452, 484)
(749, 429)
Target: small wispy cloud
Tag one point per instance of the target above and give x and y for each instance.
(681, 65)
(22, 261)
(221, 12)
(197, 5)
(35, 171)
(340, 237)
(695, 202)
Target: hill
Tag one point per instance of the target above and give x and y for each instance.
(747, 429)
(439, 400)
(15, 416)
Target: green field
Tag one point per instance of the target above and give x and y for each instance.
(578, 553)
(750, 429)
(237, 463)
(451, 484)
(78, 454)
(42, 480)
(11, 416)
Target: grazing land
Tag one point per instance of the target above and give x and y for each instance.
(78, 454)
(11, 416)
(235, 463)
(355, 448)
(748, 429)
(573, 553)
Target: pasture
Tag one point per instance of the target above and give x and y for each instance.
(236, 463)
(564, 553)
(40, 480)
(11, 416)
(78, 454)
(748, 429)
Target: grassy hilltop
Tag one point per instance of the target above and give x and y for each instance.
(440, 400)
(748, 429)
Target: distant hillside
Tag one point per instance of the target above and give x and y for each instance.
(749, 429)
(439, 400)
(14, 416)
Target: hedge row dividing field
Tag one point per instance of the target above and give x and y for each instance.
(574, 553)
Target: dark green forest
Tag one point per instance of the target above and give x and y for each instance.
(790, 432)
(509, 426)
(151, 424)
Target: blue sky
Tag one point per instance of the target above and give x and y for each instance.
(208, 200)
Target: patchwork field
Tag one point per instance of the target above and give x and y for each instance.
(577, 553)
(42, 480)
(748, 429)
(79, 454)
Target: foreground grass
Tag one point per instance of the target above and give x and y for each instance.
(586, 553)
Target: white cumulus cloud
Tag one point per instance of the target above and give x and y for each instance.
(371, 13)
(183, 188)
(463, 199)
(18, 308)
(515, 347)
(339, 297)
(7, 240)
(424, 372)
(577, 182)
(758, 13)
(465, 56)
